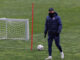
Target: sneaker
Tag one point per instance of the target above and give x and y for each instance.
(49, 58)
(62, 55)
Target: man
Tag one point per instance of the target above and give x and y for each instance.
(53, 26)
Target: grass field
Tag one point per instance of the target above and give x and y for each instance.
(69, 10)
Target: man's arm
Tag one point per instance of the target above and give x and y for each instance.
(46, 28)
(60, 25)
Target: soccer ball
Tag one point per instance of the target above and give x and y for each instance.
(40, 47)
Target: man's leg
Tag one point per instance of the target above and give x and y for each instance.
(57, 42)
(50, 40)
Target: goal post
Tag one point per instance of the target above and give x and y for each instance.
(14, 29)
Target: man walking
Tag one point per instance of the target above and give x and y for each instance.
(53, 26)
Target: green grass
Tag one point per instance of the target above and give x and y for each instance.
(68, 10)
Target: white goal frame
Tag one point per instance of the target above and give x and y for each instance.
(26, 27)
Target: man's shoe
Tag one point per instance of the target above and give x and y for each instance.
(62, 55)
(49, 58)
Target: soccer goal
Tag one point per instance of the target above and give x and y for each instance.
(14, 29)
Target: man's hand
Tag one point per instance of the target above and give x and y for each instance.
(44, 35)
(57, 34)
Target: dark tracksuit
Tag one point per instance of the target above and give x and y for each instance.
(53, 26)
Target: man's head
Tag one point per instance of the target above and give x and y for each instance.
(51, 12)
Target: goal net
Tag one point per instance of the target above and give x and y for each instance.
(14, 29)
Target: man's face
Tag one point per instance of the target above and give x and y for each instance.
(51, 11)
(51, 14)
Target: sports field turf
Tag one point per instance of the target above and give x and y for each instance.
(69, 10)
